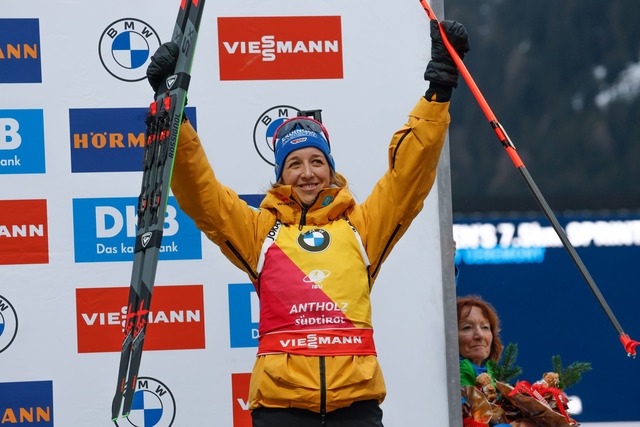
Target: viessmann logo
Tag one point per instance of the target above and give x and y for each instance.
(23, 232)
(279, 48)
(240, 392)
(176, 320)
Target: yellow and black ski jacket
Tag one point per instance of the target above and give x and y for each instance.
(314, 268)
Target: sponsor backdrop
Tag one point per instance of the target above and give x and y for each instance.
(74, 97)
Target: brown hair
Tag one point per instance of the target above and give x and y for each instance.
(464, 307)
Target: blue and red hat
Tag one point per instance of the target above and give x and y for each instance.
(297, 133)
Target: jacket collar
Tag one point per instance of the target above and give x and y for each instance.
(330, 204)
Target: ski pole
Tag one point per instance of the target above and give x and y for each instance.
(628, 343)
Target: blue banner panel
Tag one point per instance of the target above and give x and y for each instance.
(547, 308)
(110, 139)
(244, 315)
(27, 403)
(20, 51)
(105, 231)
(21, 142)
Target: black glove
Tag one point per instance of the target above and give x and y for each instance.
(442, 71)
(163, 64)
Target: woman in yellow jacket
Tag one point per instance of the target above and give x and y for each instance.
(313, 254)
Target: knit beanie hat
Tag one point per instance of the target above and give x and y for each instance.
(297, 133)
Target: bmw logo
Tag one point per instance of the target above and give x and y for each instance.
(153, 405)
(8, 324)
(265, 128)
(316, 240)
(126, 47)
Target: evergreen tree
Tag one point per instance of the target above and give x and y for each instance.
(506, 371)
(572, 374)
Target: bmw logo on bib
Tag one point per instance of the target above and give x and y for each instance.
(316, 240)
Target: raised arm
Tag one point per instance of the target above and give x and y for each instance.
(413, 153)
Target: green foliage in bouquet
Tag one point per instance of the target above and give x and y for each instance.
(506, 370)
(572, 374)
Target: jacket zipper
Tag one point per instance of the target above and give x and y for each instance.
(305, 209)
(393, 163)
(386, 248)
(303, 217)
(323, 392)
(247, 267)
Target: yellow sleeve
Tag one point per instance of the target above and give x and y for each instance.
(217, 210)
(399, 195)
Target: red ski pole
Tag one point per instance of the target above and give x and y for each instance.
(628, 343)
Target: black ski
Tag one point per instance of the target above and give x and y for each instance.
(161, 138)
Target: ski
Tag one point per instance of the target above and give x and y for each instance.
(161, 137)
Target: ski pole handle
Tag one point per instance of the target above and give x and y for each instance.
(484, 105)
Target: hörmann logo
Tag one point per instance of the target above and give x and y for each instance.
(20, 51)
(280, 48)
(176, 319)
(23, 232)
(109, 139)
(126, 47)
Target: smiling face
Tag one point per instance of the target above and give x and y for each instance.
(475, 336)
(308, 172)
